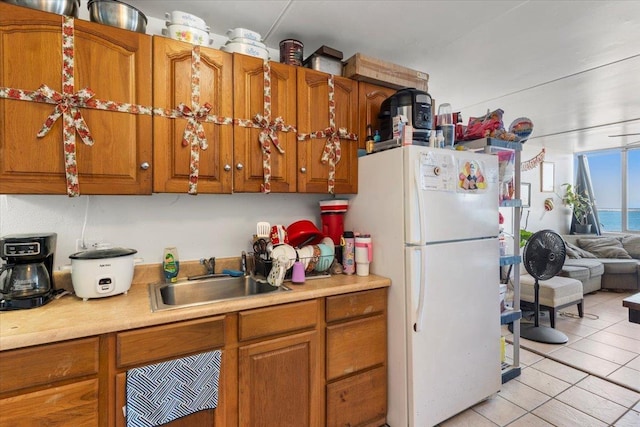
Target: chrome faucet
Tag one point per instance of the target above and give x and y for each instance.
(210, 265)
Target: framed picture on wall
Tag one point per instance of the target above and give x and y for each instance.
(547, 171)
(525, 194)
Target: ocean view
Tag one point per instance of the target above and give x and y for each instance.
(611, 219)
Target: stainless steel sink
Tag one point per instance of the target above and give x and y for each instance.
(189, 293)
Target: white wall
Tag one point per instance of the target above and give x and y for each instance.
(559, 218)
(199, 226)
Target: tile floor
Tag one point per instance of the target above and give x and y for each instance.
(592, 380)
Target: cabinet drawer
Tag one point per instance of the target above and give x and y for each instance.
(44, 364)
(267, 321)
(356, 345)
(72, 404)
(360, 400)
(167, 341)
(346, 306)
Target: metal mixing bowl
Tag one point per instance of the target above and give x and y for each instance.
(61, 7)
(117, 14)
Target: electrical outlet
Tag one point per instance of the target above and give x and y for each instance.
(88, 244)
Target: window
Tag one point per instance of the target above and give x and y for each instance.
(633, 189)
(612, 171)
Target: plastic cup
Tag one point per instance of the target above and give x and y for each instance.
(363, 255)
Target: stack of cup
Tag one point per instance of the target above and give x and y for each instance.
(363, 254)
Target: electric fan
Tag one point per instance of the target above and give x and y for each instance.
(544, 256)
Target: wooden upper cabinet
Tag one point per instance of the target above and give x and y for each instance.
(370, 98)
(115, 64)
(171, 87)
(249, 83)
(313, 116)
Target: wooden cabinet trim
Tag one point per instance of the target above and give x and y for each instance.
(169, 341)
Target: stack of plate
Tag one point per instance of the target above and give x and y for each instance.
(186, 27)
(246, 42)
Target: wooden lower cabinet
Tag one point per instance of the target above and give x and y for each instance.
(52, 385)
(147, 346)
(356, 359)
(278, 382)
(319, 362)
(280, 367)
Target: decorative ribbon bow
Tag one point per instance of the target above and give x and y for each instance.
(67, 107)
(269, 132)
(194, 131)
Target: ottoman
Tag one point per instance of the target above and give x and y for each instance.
(555, 293)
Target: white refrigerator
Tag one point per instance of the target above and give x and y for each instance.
(433, 218)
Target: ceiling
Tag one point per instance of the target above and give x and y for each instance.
(572, 67)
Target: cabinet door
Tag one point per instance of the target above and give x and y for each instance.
(249, 171)
(370, 97)
(171, 87)
(279, 382)
(115, 64)
(313, 116)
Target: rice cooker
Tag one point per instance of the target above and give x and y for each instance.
(102, 272)
(412, 103)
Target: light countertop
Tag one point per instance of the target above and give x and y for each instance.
(70, 317)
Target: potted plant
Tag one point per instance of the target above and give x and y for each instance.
(581, 206)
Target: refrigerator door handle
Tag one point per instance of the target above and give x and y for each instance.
(417, 326)
(416, 178)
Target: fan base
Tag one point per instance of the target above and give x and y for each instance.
(542, 334)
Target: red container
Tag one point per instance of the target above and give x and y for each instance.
(332, 216)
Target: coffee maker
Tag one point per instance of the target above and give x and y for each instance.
(26, 277)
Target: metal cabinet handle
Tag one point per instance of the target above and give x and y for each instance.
(227, 167)
(239, 166)
(303, 170)
(145, 165)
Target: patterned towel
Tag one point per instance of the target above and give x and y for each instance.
(160, 393)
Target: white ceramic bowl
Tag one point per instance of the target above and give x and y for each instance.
(247, 41)
(246, 49)
(187, 34)
(243, 33)
(184, 18)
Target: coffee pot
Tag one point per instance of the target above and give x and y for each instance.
(26, 279)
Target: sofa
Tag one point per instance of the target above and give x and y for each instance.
(610, 261)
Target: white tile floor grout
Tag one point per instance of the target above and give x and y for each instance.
(593, 380)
